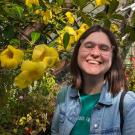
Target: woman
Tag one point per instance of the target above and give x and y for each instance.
(91, 104)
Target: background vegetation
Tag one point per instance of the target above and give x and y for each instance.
(36, 42)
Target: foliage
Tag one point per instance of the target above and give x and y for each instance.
(130, 74)
(131, 78)
(28, 108)
(36, 38)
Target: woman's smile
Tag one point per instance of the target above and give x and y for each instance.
(95, 62)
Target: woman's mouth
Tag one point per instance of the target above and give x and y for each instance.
(94, 62)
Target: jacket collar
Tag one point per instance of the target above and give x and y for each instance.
(105, 97)
(73, 92)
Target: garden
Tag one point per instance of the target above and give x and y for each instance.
(37, 38)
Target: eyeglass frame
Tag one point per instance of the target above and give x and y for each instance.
(102, 51)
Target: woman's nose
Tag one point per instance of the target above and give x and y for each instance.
(95, 51)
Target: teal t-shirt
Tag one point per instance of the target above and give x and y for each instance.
(82, 126)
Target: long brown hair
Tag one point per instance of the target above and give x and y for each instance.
(115, 76)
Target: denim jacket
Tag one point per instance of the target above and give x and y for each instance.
(105, 118)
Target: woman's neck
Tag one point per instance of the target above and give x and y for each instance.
(92, 85)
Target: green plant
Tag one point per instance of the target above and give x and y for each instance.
(24, 26)
(30, 109)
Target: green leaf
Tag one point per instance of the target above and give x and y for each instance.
(86, 18)
(9, 32)
(113, 6)
(107, 23)
(131, 31)
(52, 44)
(35, 36)
(66, 39)
(2, 18)
(14, 42)
(81, 3)
(42, 4)
(127, 29)
(133, 19)
(100, 15)
(19, 11)
(60, 2)
(117, 16)
(14, 11)
(132, 34)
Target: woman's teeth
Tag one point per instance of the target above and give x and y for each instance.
(93, 62)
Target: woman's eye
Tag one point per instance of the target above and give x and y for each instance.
(104, 47)
(89, 45)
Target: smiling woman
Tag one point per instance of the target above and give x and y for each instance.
(98, 58)
(91, 103)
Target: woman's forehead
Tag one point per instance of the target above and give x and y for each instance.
(97, 37)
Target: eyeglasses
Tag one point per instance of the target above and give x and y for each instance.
(103, 48)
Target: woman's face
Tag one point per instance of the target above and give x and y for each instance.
(95, 54)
